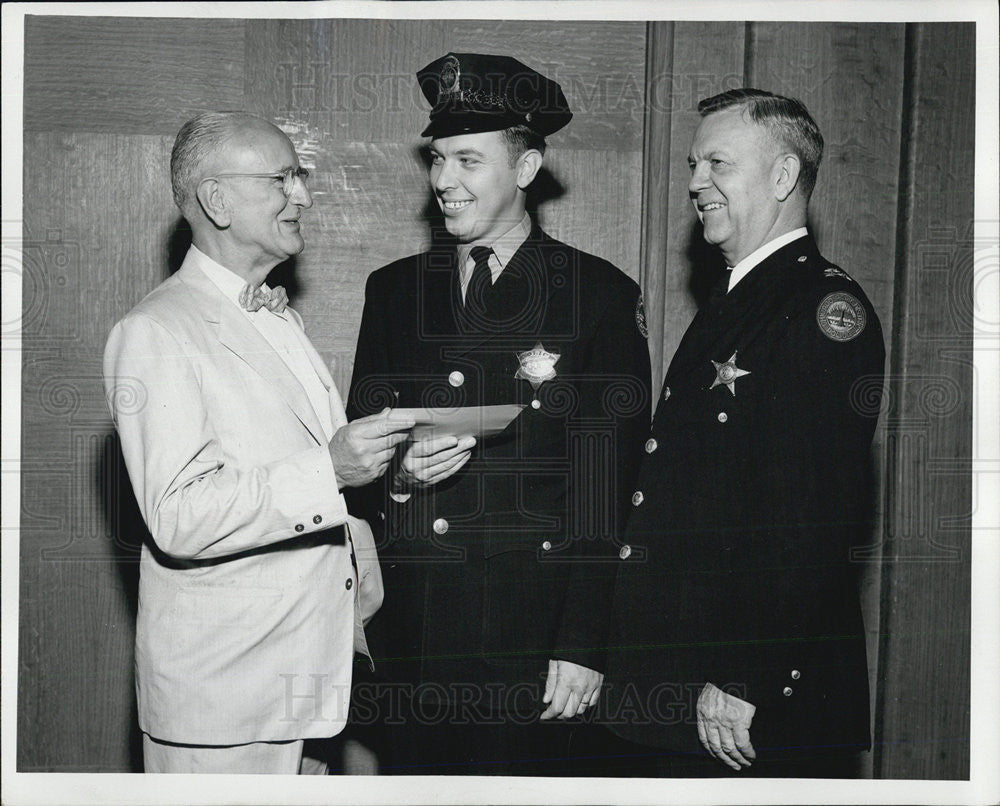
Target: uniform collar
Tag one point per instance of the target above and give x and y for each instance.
(504, 246)
(755, 258)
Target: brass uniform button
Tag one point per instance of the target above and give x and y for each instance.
(440, 526)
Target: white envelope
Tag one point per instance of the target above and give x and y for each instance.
(476, 421)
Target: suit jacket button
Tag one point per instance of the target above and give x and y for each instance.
(536, 404)
(546, 545)
(650, 445)
(796, 674)
(440, 526)
(723, 416)
(349, 584)
(803, 258)
(637, 498)
(381, 515)
(456, 378)
(666, 392)
(299, 527)
(787, 691)
(625, 552)
(317, 518)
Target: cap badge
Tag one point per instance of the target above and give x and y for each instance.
(727, 373)
(450, 74)
(841, 316)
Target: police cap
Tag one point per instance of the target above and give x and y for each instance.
(475, 92)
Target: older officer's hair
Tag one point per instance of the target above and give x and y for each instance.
(198, 138)
(786, 119)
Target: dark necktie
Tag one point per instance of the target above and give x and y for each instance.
(481, 283)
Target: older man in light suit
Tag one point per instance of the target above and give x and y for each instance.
(254, 589)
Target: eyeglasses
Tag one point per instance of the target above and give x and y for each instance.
(286, 177)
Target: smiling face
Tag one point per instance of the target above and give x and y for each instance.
(735, 183)
(264, 226)
(477, 188)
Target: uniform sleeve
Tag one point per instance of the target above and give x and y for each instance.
(196, 504)
(617, 386)
(808, 507)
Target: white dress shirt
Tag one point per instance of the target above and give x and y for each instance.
(503, 248)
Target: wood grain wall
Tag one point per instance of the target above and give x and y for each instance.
(104, 98)
(925, 624)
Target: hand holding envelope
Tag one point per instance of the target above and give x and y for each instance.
(443, 440)
(460, 421)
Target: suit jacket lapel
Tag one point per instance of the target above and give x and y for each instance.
(440, 294)
(235, 332)
(337, 413)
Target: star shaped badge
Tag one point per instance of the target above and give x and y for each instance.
(727, 373)
(537, 365)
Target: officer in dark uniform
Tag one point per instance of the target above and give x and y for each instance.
(737, 643)
(497, 557)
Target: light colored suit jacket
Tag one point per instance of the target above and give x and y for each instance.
(250, 605)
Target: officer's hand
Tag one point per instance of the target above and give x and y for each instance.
(430, 461)
(570, 689)
(362, 449)
(724, 726)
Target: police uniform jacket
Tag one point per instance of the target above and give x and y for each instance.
(509, 562)
(751, 496)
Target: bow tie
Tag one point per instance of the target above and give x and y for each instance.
(253, 299)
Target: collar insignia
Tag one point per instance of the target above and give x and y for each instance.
(834, 271)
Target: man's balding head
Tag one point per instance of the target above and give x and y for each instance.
(238, 182)
(198, 145)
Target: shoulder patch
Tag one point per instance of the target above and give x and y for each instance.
(833, 271)
(841, 316)
(640, 318)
